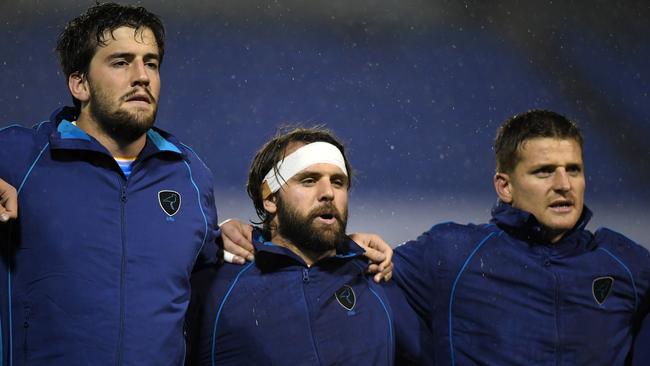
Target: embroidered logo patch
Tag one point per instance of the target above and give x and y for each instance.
(345, 296)
(601, 287)
(170, 202)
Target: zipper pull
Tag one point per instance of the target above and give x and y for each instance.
(123, 194)
(305, 275)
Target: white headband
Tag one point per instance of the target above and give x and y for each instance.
(310, 154)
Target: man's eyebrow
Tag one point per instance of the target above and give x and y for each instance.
(541, 167)
(575, 166)
(131, 56)
(150, 56)
(306, 174)
(126, 55)
(544, 165)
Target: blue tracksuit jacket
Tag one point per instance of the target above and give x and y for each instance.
(494, 295)
(277, 311)
(641, 351)
(97, 269)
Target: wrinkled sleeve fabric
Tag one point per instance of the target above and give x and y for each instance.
(414, 340)
(413, 261)
(208, 256)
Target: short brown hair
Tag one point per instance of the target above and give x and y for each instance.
(532, 124)
(274, 151)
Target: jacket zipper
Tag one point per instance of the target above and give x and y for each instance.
(558, 340)
(305, 282)
(120, 340)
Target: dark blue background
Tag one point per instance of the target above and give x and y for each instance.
(415, 88)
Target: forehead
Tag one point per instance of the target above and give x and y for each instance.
(128, 39)
(547, 150)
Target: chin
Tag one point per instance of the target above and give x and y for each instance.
(564, 225)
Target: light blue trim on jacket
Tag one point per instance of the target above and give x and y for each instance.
(161, 143)
(453, 291)
(629, 273)
(225, 298)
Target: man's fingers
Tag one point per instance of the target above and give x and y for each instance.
(374, 255)
(237, 251)
(388, 277)
(373, 268)
(362, 239)
(379, 253)
(7, 214)
(236, 236)
(8, 202)
(231, 258)
(4, 216)
(380, 274)
(387, 273)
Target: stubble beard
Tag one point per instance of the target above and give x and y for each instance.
(120, 124)
(300, 230)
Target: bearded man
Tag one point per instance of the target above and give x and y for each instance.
(114, 211)
(306, 299)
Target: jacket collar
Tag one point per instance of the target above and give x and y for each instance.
(269, 255)
(67, 136)
(524, 226)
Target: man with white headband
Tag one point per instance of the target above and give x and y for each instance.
(534, 286)
(306, 299)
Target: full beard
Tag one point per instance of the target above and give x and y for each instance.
(121, 125)
(300, 230)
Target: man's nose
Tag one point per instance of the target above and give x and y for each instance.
(140, 73)
(561, 181)
(325, 190)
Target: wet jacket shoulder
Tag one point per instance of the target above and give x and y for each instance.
(626, 250)
(19, 144)
(637, 260)
(500, 294)
(100, 264)
(425, 267)
(276, 310)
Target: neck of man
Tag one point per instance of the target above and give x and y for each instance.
(309, 257)
(555, 236)
(117, 148)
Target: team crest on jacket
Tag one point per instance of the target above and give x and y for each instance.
(345, 296)
(170, 202)
(601, 287)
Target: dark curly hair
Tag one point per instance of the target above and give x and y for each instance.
(79, 40)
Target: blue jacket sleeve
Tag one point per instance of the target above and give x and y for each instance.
(414, 340)
(413, 261)
(208, 256)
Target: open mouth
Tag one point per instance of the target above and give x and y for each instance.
(561, 206)
(326, 217)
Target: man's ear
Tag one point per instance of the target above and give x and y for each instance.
(78, 85)
(503, 187)
(270, 204)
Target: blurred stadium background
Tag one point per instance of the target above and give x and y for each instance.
(416, 88)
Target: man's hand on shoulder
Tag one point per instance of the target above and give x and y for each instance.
(378, 252)
(237, 239)
(8, 202)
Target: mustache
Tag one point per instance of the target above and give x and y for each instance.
(327, 208)
(136, 91)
